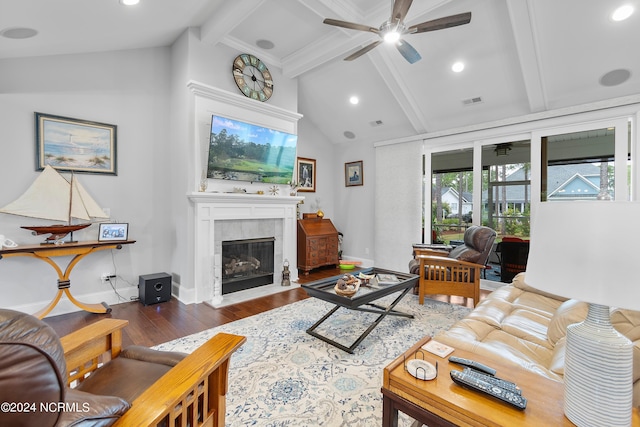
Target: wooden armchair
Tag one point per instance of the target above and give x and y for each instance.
(458, 273)
(183, 390)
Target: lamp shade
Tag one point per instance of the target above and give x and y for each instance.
(587, 250)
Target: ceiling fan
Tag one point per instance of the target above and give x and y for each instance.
(394, 29)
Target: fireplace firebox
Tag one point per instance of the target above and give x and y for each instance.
(247, 264)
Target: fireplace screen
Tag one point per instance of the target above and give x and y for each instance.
(247, 264)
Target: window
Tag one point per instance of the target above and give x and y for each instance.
(452, 194)
(506, 188)
(578, 166)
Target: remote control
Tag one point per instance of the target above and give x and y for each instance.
(472, 364)
(507, 385)
(474, 383)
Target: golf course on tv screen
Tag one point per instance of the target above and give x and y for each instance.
(245, 152)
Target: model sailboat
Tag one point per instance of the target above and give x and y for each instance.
(54, 198)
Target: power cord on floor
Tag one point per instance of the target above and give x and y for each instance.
(113, 280)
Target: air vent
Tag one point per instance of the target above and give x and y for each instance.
(472, 101)
(376, 123)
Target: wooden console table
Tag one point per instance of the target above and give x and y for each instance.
(441, 402)
(78, 250)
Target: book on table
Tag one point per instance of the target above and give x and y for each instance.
(387, 279)
(438, 348)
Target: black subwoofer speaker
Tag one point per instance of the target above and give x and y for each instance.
(154, 288)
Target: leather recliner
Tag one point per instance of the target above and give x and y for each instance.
(458, 272)
(34, 377)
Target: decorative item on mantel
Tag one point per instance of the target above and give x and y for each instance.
(293, 188)
(204, 182)
(286, 274)
(273, 190)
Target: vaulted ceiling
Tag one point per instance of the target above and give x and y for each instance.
(521, 56)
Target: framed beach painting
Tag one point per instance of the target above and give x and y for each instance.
(75, 145)
(306, 174)
(353, 174)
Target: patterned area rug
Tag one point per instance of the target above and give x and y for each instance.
(283, 376)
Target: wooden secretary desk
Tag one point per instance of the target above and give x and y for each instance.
(317, 244)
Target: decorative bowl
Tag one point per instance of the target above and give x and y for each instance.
(347, 286)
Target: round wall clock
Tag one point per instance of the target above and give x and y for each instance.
(252, 77)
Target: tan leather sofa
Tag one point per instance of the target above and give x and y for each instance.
(528, 327)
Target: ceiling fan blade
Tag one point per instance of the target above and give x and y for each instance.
(362, 51)
(408, 51)
(400, 9)
(350, 25)
(441, 23)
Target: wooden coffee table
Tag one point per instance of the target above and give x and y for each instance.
(441, 402)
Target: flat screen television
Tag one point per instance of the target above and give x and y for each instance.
(246, 152)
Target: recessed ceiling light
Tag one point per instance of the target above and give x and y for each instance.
(18, 33)
(622, 13)
(265, 44)
(354, 100)
(129, 2)
(457, 67)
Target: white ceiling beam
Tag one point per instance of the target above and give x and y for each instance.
(334, 45)
(523, 25)
(386, 67)
(322, 51)
(225, 18)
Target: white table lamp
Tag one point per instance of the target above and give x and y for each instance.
(588, 250)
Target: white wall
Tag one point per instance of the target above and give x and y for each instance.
(313, 145)
(128, 89)
(355, 208)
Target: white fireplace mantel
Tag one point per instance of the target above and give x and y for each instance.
(210, 207)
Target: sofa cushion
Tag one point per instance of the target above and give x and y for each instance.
(570, 312)
(465, 253)
(518, 282)
(115, 378)
(527, 326)
(557, 360)
(94, 410)
(627, 322)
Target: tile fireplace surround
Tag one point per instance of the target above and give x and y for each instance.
(226, 216)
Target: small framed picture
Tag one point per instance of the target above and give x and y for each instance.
(306, 174)
(110, 231)
(75, 145)
(353, 174)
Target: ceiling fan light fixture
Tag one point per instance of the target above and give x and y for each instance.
(503, 149)
(391, 36)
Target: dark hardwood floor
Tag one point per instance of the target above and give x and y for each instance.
(159, 323)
